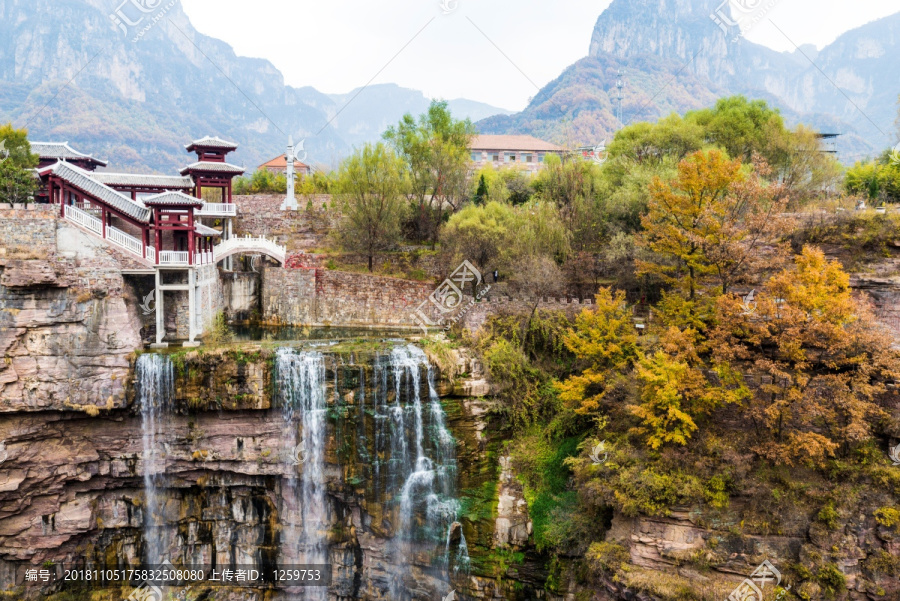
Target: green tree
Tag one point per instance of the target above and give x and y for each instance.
(482, 191)
(18, 182)
(575, 186)
(370, 183)
(501, 236)
(435, 150)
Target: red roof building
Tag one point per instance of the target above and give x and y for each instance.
(278, 165)
(524, 152)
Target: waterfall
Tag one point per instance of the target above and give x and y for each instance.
(405, 456)
(424, 459)
(155, 393)
(301, 390)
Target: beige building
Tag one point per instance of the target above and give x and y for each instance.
(526, 152)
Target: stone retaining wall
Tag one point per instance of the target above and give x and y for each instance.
(336, 298)
(27, 232)
(303, 229)
(298, 297)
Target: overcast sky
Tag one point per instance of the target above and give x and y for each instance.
(338, 45)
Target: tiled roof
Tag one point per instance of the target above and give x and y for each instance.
(211, 142)
(206, 231)
(83, 180)
(280, 162)
(211, 166)
(60, 150)
(525, 143)
(172, 198)
(149, 181)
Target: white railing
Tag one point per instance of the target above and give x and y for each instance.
(86, 220)
(248, 244)
(151, 254)
(203, 258)
(126, 241)
(217, 209)
(173, 257)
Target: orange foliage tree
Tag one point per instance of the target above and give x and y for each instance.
(818, 365)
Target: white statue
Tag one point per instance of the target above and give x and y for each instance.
(290, 201)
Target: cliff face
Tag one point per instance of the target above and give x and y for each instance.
(76, 488)
(67, 324)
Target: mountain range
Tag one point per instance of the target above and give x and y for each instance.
(135, 94)
(676, 58)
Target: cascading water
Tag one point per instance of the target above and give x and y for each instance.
(155, 393)
(301, 390)
(405, 457)
(424, 459)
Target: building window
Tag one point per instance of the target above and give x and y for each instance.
(476, 157)
(540, 158)
(527, 158)
(510, 157)
(495, 157)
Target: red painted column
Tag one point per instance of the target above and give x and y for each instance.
(229, 192)
(144, 239)
(104, 217)
(191, 236)
(158, 234)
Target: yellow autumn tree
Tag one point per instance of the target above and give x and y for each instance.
(712, 220)
(676, 391)
(819, 364)
(604, 338)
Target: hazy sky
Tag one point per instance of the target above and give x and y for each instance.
(338, 45)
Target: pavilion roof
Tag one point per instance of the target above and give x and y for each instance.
(212, 167)
(61, 151)
(141, 180)
(178, 199)
(211, 142)
(83, 180)
(206, 231)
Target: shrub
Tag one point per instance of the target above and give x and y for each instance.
(831, 579)
(828, 516)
